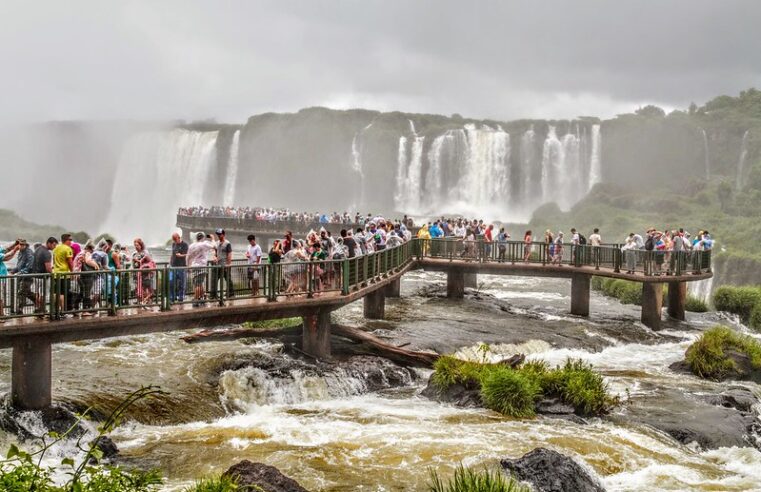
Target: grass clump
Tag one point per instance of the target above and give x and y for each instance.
(740, 301)
(709, 356)
(469, 480)
(516, 391)
(272, 323)
(625, 291)
(218, 484)
(695, 305)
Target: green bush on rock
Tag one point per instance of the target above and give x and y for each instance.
(515, 391)
(740, 301)
(468, 480)
(217, 484)
(716, 353)
(695, 305)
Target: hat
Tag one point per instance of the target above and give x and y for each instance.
(23, 241)
(219, 231)
(200, 235)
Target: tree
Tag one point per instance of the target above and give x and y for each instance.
(651, 111)
(724, 192)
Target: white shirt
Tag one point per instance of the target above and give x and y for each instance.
(575, 238)
(595, 240)
(254, 254)
(198, 253)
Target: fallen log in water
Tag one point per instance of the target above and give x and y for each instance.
(237, 333)
(391, 352)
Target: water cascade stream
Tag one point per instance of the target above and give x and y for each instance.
(231, 180)
(740, 178)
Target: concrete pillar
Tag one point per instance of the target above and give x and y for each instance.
(455, 284)
(394, 288)
(471, 280)
(31, 374)
(677, 298)
(375, 304)
(652, 303)
(316, 335)
(580, 294)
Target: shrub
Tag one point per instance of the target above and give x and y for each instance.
(510, 392)
(695, 305)
(449, 370)
(579, 385)
(468, 480)
(755, 317)
(737, 300)
(708, 357)
(218, 484)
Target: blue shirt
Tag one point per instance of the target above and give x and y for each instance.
(3, 268)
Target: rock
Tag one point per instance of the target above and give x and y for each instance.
(710, 421)
(250, 475)
(743, 370)
(107, 446)
(458, 395)
(36, 423)
(550, 471)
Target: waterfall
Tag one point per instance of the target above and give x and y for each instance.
(595, 168)
(357, 166)
(571, 175)
(740, 179)
(705, 152)
(157, 173)
(409, 176)
(400, 191)
(484, 180)
(552, 167)
(228, 199)
(528, 160)
(433, 185)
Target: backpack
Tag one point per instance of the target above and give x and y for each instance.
(650, 244)
(582, 239)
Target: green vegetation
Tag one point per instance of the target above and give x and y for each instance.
(742, 301)
(219, 484)
(22, 471)
(629, 292)
(12, 226)
(710, 356)
(515, 392)
(695, 304)
(469, 480)
(272, 323)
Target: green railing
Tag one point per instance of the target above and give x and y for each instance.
(110, 292)
(611, 257)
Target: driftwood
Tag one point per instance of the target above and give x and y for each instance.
(391, 352)
(514, 360)
(236, 333)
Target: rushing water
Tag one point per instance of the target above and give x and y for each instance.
(329, 433)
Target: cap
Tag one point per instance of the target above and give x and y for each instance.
(219, 231)
(200, 235)
(23, 241)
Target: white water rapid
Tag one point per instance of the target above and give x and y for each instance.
(159, 172)
(228, 200)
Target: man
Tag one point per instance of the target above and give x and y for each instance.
(223, 258)
(254, 259)
(595, 240)
(63, 263)
(24, 264)
(178, 260)
(42, 264)
(287, 242)
(488, 239)
(349, 243)
(197, 259)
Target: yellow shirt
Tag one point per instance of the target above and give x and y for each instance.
(61, 255)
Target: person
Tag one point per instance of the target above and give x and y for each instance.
(287, 242)
(488, 239)
(595, 241)
(178, 273)
(24, 266)
(6, 253)
(100, 256)
(502, 239)
(630, 254)
(348, 242)
(197, 260)
(276, 252)
(557, 258)
(361, 241)
(42, 265)
(575, 243)
(63, 264)
(549, 244)
(254, 260)
(85, 263)
(141, 260)
(318, 255)
(223, 258)
(527, 240)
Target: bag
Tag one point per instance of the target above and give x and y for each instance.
(649, 244)
(582, 239)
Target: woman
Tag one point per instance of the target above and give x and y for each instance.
(85, 262)
(558, 252)
(527, 240)
(141, 260)
(549, 244)
(6, 253)
(630, 254)
(502, 238)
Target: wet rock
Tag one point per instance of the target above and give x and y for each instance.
(550, 471)
(714, 421)
(107, 446)
(34, 424)
(377, 372)
(458, 395)
(742, 369)
(250, 475)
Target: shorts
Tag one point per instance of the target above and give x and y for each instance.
(253, 273)
(199, 279)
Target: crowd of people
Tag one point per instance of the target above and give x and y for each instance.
(371, 234)
(283, 215)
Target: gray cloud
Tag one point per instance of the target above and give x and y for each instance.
(506, 60)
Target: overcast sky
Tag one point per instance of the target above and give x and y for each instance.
(227, 60)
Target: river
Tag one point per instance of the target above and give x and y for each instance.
(330, 434)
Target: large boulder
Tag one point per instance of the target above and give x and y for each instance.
(255, 476)
(550, 471)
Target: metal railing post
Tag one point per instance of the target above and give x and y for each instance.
(345, 276)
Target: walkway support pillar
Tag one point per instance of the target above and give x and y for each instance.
(652, 303)
(677, 299)
(31, 374)
(580, 294)
(394, 288)
(316, 335)
(471, 280)
(455, 284)
(375, 304)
